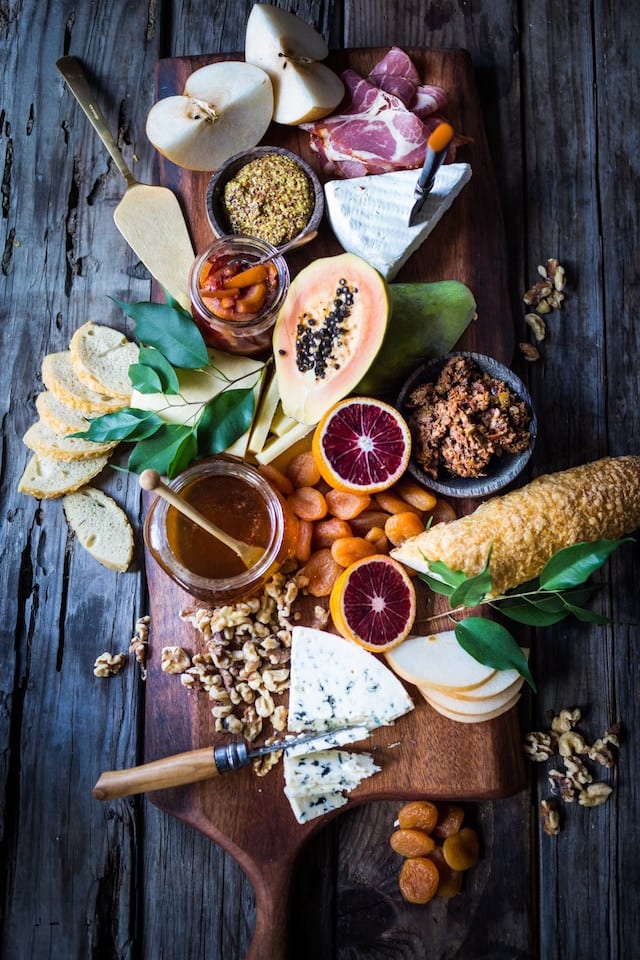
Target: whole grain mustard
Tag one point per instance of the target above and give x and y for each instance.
(271, 198)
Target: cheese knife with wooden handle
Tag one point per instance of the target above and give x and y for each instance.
(203, 764)
(148, 217)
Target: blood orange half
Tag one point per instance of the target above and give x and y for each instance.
(361, 445)
(373, 602)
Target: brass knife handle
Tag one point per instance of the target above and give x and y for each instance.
(76, 78)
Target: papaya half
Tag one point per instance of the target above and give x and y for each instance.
(331, 326)
(427, 320)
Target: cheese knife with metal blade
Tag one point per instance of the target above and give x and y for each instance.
(197, 765)
(437, 146)
(148, 217)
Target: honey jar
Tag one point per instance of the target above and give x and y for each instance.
(236, 497)
(234, 299)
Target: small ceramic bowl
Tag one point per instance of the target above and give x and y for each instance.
(215, 191)
(501, 470)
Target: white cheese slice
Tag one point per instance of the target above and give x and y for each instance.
(335, 738)
(308, 806)
(327, 770)
(316, 783)
(334, 682)
(370, 215)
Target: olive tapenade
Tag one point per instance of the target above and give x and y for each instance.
(271, 198)
(464, 419)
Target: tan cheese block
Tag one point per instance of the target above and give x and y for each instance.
(467, 718)
(438, 660)
(474, 708)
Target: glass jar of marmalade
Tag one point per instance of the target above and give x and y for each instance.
(237, 498)
(235, 300)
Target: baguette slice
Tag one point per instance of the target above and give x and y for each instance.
(59, 377)
(47, 443)
(44, 478)
(59, 416)
(101, 527)
(101, 357)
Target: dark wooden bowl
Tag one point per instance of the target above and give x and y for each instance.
(215, 190)
(501, 470)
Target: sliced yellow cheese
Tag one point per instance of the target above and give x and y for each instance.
(281, 422)
(264, 416)
(276, 446)
(197, 387)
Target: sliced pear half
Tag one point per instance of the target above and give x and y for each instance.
(225, 109)
(289, 50)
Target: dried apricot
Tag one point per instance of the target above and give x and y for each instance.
(401, 526)
(346, 550)
(361, 524)
(346, 506)
(326, 532)
(421, 814)
(322, 572)
(392, 503)
(379, 539)
(412, 843)
(450, 819)
(418, 880)
(302, 470)
(462, 850)
(416, 495)
(308, 503)
(443, 512)
(276, 478)
(303, 540)
(450, 880)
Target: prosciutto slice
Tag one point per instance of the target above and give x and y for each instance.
(382, 124)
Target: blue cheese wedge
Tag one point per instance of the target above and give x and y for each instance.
(308, 806)
(318, 782)
(327, 770)
(370, 215)
(335, 683)
(330, 740)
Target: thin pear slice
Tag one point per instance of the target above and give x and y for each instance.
(438, 660)
(289, 49)
(467, 718)
(474, 708)
(225, 109)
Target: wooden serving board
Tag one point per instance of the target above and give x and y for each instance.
(423, 754)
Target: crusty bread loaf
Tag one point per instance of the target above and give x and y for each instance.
(59, 416)
(101, 357)
(44, 478)
(101, 527)
(596, 501)
(59, 377)
(46, 443)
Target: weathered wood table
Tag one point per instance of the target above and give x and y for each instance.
(558, 86)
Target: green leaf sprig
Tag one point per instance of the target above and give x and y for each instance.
(558, 592)
(169, 342)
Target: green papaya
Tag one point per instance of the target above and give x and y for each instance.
(427, 320)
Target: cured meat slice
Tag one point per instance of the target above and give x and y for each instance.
(373, 133)
(396, 74)
(382, 124)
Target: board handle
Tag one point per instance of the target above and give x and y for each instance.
(272, 889)
(190, 767)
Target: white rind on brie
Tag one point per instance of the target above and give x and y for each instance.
(370, 215)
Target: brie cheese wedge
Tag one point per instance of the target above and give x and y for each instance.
(370, 215)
